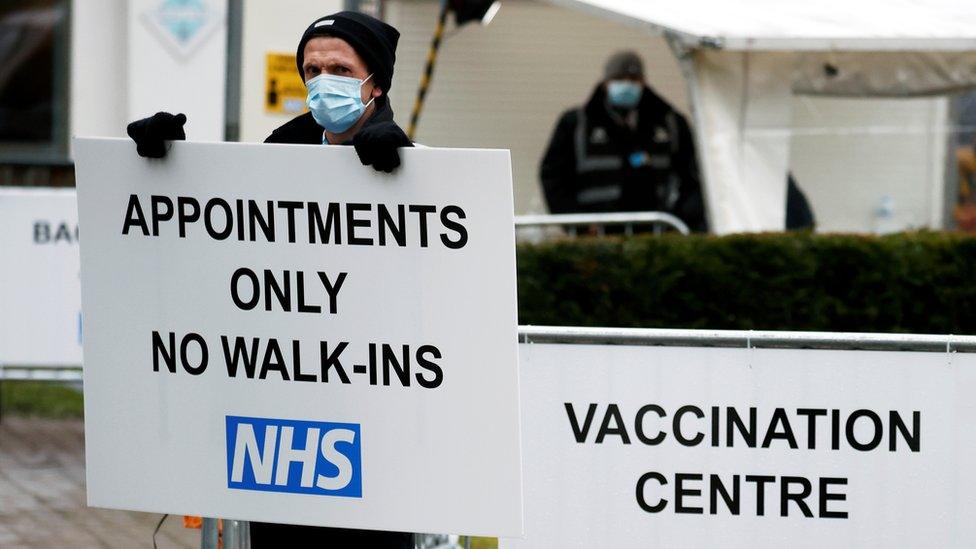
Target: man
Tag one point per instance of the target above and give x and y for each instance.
(346, 60)
(626, 149)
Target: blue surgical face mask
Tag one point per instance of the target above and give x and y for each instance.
(336, 102)
(624, 93)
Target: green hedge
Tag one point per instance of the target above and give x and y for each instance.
(916, 282)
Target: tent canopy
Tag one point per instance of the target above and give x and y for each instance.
(777, 25)
(746, 59)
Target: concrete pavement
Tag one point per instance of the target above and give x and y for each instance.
(42, 494)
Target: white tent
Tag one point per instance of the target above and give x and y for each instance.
(745, 60)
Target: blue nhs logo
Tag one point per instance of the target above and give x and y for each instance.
(301, 457)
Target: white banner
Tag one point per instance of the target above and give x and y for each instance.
(707, 447)
(278, 333)
(40, 294)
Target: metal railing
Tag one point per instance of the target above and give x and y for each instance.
(658, 220)
(748, 339)
(40, 373)
(230, 534)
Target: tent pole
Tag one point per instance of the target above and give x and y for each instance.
(683, 53)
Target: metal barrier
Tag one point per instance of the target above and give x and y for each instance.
(40, 373)
(628, 220)
(748, 339)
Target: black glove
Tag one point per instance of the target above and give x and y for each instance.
(377, 145)
(149, 133)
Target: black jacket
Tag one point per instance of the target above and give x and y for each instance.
(597, 163)
(303, 130)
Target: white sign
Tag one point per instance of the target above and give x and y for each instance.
(183, 25)
(704, 447)
(40, 294)
(278, 333)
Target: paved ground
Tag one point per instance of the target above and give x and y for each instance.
(42, 494)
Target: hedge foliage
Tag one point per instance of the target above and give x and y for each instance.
(910, 282)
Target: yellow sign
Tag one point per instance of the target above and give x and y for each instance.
(284, 90)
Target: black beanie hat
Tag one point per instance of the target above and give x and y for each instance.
(624, 64)
(373, 40)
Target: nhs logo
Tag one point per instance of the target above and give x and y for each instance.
(301, 457)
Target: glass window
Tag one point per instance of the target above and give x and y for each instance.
(33, 80)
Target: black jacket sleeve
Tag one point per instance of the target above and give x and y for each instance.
(558, 169)
(691, 204)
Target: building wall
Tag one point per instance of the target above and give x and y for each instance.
(98, 105)
(122, 70)
(505, 85)
(161, 77)
(270, 27)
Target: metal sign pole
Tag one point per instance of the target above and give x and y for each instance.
(209, 537)
(237, 534)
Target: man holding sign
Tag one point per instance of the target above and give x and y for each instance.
(346, 60)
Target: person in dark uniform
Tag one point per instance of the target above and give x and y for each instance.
(346, 60)
(625, 150)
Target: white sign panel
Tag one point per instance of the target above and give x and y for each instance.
(704, 447)
(40, 294)
(278, 333)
